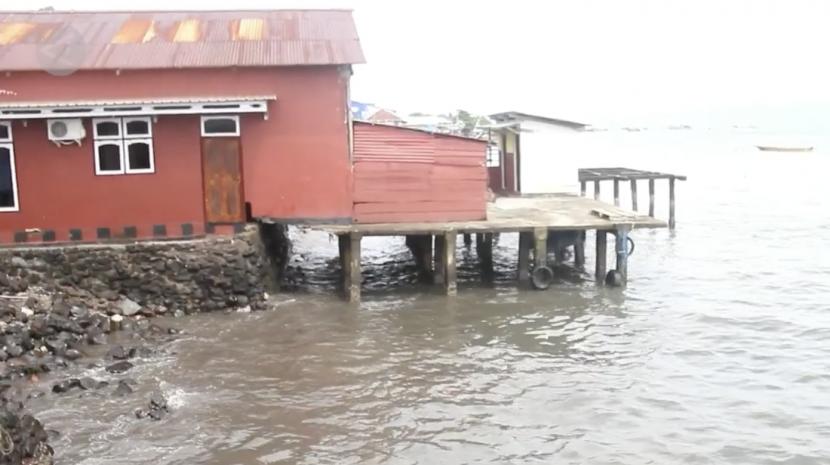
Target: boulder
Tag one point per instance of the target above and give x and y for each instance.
(119, 367)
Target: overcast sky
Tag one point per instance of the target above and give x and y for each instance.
(579, 59)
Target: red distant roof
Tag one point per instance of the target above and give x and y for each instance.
(177, 39)
(384, 116)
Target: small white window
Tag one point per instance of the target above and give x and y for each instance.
(139, 155)
(137, 127)
(493, 156)
(8, 178)
(107, 128)
(124, 146)
(5, 131)
(109, 157)
(220, 126)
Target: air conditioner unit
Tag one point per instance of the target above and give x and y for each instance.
(64, 130)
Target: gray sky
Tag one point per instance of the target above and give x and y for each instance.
(580, 59)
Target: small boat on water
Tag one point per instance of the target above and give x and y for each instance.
(776, 148)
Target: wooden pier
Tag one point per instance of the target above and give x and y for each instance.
(618, 175)
(534, 218)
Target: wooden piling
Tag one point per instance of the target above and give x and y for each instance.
(525, 244)
(484, 249)
(579, 249)
(601, 252)
(621, 249)
(448, 265)
(540, 249)
(617, 192)
(672, 221)
(468, 240)
(583, 188)
(634, 194)
(651, 198)
(350, 257)
(438, 259)
(596, 190)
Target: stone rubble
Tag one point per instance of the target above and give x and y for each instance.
(54, 302)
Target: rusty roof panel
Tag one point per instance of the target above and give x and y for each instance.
(151, 40)
(11, 33)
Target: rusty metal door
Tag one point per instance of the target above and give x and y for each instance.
(222, 171)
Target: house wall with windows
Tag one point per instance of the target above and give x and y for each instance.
(133, 175)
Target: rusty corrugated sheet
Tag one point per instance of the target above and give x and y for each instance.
(152, 40)
(406, 175)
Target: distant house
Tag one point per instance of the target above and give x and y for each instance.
(532, 154)
(433, 123)
(382, 116)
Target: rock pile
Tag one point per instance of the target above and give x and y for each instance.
(56, 301)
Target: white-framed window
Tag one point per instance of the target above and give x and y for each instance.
(8, 177)
(493, 156)
(123, 145)
(220, 126)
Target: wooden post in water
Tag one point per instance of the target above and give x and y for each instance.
(634, 194)
(579, 249)
(583, 188)
(672, 222)
(468, 240)
(350, 257)
(602, 246)
(525, 244)
(484, 249)
(448, 258)
(540, 242)
(438, 259)
(617, 192)
(622, 252)
(651, 198)
(596, 190)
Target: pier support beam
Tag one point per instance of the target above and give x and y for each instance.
(438, 259)
(596, 190)
(468, 240)
(484, 249)
(622, 253)
(540, 242)
(634, 194)
(448, 262)
(672, 221)
(350, 260)
(583, 188)
(651, 198)
(525, 244)
(579, 249)
(421, 247)
(601, 256)
(617, 192)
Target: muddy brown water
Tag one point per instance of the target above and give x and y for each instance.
(717, 352)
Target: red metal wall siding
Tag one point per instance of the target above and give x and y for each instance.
(401, 175)
(296, 163)
(58, 189)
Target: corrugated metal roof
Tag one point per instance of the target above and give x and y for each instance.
(176, 39)
(154, 101)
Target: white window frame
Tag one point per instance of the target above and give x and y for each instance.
(235, 118)
(99, 143)
(126, 156)
(131, 119)
(8, 143)
(8, 126)
(123, 141)
(97, 121)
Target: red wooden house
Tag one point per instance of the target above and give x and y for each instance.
(146, 124)
(120, 126)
